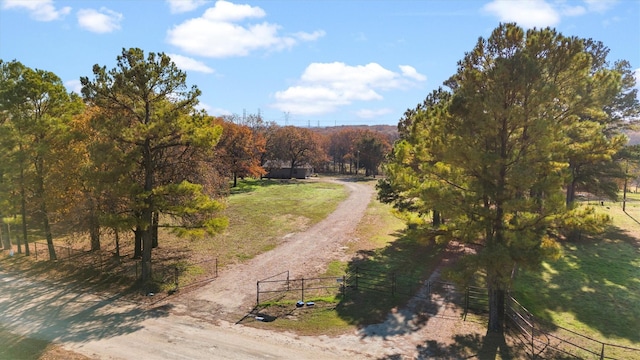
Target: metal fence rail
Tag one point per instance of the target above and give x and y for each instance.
(274, 289)
(546, 341)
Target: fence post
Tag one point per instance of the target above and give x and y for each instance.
(466, 300)
(175, 276)
(533, 345)
(602, 353)
(258, 293)
(216, 267)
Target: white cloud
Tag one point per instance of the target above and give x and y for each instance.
(213, 111)
(540, 13)
(187, 63)
(182, 6)
(40, 10)
(324, 87)
(572, 10)
(600, 5)
(527, 13)
(411, 72)
(371, 113)
(222, 31)
(304, 36)
(99, 21)
(73, 85)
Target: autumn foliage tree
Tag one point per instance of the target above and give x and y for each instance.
(295, 146)
(150, 125)
(37, 138)
(239, 150)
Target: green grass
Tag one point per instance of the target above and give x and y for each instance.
(594, 288)
(17, 347)
(381, 245)
(261, 212)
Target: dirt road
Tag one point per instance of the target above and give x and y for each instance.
(201, 324)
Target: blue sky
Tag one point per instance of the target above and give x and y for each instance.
(298, 62)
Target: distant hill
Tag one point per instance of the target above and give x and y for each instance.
(391, 131)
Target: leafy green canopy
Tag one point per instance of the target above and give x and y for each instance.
(493, 157)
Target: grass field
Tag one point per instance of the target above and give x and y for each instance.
(594, 288)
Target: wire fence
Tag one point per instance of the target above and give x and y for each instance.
(178, 273)
(539, 339)
(282, 288)
(546, 341)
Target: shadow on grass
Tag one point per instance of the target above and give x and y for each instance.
(396, 273)
(596, 281)
(24, 348)
(250, 185)
(490, 346)
(68, 315)
(66, 310)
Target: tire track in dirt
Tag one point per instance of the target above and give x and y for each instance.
(303, 254)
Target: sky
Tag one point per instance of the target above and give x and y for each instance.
(298, 62)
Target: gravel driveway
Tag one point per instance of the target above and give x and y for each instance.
(201, 324)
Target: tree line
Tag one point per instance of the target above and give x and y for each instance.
(132, 152)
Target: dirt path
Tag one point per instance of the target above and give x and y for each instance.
(201, 324)
(303, 255)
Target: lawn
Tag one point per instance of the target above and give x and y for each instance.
(594, 288)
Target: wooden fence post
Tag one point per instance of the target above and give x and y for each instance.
(258, 293)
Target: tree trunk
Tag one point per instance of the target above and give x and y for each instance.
(137, 248)
(496, 309)
(47, 231)
(571, 190)
(43, 210)
(154, 230)
(436, 218)
(23, 213)
(293, 162)
(94, 228)
(117, 239)
(5, 235)
(148, 210)
(146, 254)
